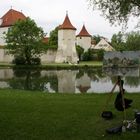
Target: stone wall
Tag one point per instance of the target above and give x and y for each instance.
(2, 40)
(48, 57)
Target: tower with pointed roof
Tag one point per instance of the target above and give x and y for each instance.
(66, 43)
(7, 20)
(83, 39)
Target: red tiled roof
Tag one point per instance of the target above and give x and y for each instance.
(67, 24)
(84, 32)
(11, 17)
(46, 40)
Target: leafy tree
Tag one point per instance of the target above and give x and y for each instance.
(24, 40)
(96, 38)
(92, 54)
(53, 40)
(133, 41)
(117, 10)
(80, 51)
(127, 42)
(117, 42)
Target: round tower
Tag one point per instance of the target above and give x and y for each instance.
(66, 43)
(84, 39)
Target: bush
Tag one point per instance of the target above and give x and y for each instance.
(79, 51)
(35, 61)
(19, 60)
(93, 55)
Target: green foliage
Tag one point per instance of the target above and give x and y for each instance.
(117, 10)
(117, 42)
(92, 54)
(133, 41)
(86, 56)
(53, 40)
(127, 42)
(24, 39)
(96, 38)
(80, 51)
(36, 61)
(19, 60)
(100, 54)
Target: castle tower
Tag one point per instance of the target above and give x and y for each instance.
(7, 20)
(84, 39)
(66, 43)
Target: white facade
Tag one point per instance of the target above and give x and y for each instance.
(4, 57)
(103, 44)
(66, 46)
(2, 40)
(84, 42)
(48, 57)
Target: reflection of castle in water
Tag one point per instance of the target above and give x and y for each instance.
(63, 81)
(83, 83)
(66, 81)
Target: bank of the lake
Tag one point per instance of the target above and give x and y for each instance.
(83, 64)
(28, 115)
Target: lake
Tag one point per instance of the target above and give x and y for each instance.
(65, 81)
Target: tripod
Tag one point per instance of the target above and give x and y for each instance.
(119, 82)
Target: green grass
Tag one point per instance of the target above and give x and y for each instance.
(26, 115)
(82, 64)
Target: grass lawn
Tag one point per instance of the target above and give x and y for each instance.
(26, 115)
(82, 64)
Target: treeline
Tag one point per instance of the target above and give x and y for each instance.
(126, 42)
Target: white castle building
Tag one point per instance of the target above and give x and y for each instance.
(84, 39)
(66, 43)
(7, 20)
(67, 40)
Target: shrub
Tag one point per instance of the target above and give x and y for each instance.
(19, 60)
(35, 61)
(79, 51)
(93, 55)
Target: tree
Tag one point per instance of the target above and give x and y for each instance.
(53, 40)
(133, 41)
(117, 42)
(117, 10)
(127, 42)
(24, 40)
(96, 38)
(80, 51)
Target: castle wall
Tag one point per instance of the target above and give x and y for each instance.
(84, 42)
(48, 57)
(4, 57)
(2, 40)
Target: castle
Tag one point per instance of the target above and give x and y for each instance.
(67, 39)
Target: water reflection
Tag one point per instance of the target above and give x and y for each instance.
(64, 81)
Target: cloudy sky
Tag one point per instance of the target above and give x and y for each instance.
(50, 13)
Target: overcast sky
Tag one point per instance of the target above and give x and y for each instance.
(50, 13)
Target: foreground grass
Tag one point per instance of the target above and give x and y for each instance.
(26, 115)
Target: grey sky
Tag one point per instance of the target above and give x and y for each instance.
(50, 13)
